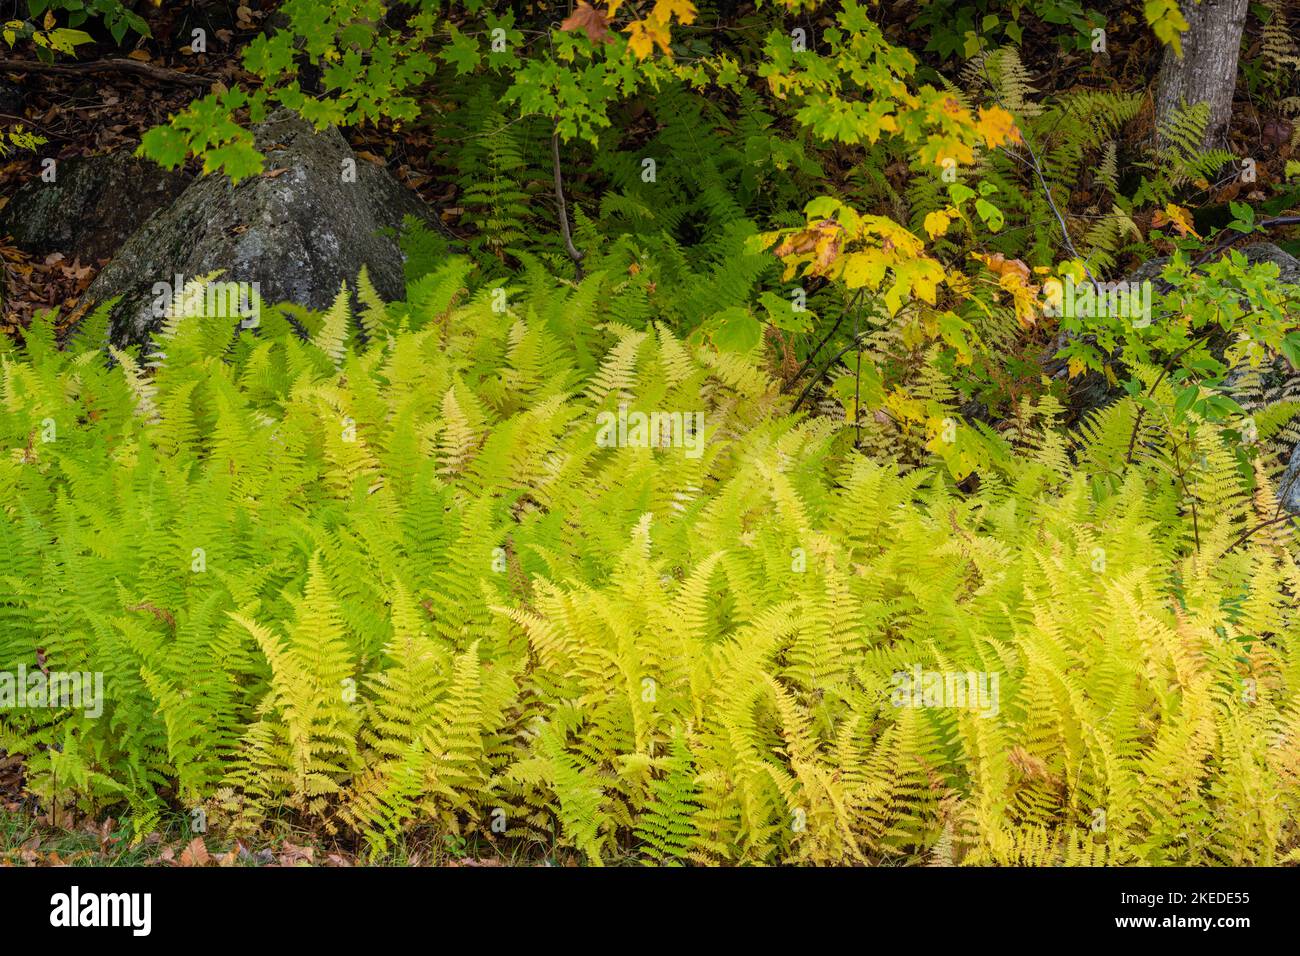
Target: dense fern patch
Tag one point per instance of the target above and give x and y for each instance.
(388, 576)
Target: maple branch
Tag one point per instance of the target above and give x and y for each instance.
(1168, 367)
(812, 356)
(1235, 236)
(574, 253)
(855, 344)
(1164, 286)
(1037, 167)
(108, 66)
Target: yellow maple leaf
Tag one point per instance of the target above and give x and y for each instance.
(960, 284)
(997, 126)
(643, 35)
(937, 149)
(683, 10)
(1176, 216)
(1023, 297)
(866, 268)
(936, 223)
(922, 277)
(891, 235)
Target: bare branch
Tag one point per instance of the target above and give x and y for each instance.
(159, 73)
(574, 253)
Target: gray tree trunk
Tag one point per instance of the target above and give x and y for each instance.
(1207, 72)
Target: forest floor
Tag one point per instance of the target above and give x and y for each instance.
(30, 836)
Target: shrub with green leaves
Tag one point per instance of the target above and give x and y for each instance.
(377, 571)
(117, 17)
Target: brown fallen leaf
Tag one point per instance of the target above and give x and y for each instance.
(196, 854)
(1001, 265)
(290, 854)
(591, 21)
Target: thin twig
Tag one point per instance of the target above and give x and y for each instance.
(574, 253)
(1259, 527)
(812, 356)
(856, 343)
(1182, 480)
(1037, 167)
(40, 130)
(1169, 367)
(857, 382)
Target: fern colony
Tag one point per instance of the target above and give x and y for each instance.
(387, 577)
(752, 521)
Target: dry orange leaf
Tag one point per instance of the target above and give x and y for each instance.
(1176, 216)
(1013, 276)
(1001, 265)
(591, 21)
(196, 854)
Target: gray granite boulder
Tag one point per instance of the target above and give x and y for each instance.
(314, 217)
(94, 204)
(1288, 486)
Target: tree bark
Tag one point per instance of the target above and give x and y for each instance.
(1207, 71)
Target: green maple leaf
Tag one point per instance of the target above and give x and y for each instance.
(165, 145)
(461, 52)
(735, 330)
(237, 159)
(269, 56)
